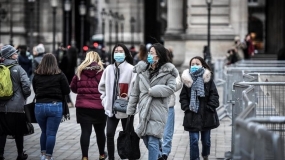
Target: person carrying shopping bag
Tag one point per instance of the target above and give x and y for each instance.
(155, 82)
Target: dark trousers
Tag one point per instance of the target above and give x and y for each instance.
(86, 129)
(19, 139)
(112, 123)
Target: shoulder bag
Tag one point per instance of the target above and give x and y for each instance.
(120, 104)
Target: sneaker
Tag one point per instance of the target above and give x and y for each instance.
(49, 159)
(43, 157)
(205, 158)
(104, 156)
(10, 137)
(84, 158)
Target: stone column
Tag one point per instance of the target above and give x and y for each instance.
(175, 31)
(174, 16)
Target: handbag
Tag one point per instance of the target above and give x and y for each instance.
(120, 104)
(30, 129)
(128, 142)
(30, 112)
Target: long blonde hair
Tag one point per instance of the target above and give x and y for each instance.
(91, 56)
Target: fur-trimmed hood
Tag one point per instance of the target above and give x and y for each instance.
(167, 67)
(188, 81)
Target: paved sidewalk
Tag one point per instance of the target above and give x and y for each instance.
(67, 145)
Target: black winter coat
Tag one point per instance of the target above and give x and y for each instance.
(49, 88)
(207, 117)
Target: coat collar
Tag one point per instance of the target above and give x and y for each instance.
(166, 68)
(188, 81)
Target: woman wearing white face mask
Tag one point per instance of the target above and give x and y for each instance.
(119, 73)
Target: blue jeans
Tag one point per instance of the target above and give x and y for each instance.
(48, 116)
(152, 144)
(166, 142)
(206, 144)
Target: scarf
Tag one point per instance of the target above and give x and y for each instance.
(197, 89)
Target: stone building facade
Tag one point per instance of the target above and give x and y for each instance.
(180, 24)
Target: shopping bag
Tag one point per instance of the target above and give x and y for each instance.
(128, 142)
(30, 112)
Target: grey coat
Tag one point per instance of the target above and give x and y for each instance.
(21, 88)
(150, 98)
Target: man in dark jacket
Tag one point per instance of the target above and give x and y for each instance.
(24, 60)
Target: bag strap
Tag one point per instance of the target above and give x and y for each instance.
(129, 124)
(117, 75)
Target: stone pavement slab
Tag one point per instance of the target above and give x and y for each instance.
(67, 145)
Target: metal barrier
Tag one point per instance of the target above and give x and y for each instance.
(260, 62)
(259, 100)
(225, 76)
(257, 142)
(260, 65)
(238, 74)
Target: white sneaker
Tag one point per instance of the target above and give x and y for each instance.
(43, 157)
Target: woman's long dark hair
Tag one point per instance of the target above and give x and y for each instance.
(162, 54)
(128, 58)
(48, 65)
(142, 52)
(204, 64)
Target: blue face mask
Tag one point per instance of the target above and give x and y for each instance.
(150, 59)
(194, 68)
(119, 57)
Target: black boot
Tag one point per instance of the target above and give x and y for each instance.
(22, 156)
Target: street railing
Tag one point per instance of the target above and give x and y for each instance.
(255, 141)
(256, 102)
(239, 74)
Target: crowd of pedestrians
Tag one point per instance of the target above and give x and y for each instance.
(241, 49)
(148, 80)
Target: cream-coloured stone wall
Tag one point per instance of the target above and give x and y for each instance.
(195, 48)
(228, 19)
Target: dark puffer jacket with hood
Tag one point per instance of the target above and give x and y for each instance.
(86, 88)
